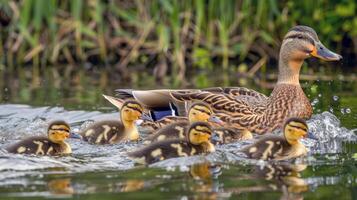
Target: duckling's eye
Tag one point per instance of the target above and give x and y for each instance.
(195, 134)
(126, 110)
(194, 113)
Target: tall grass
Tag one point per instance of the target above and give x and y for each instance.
(165, 34)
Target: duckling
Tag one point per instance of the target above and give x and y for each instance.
(197, 142)
(54, 144)
(229, 135)
(114, 131)
(198, 112)
(280, 147)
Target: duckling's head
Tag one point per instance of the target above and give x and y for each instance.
(131, 111)
(199, 112)
(295, 129)
(299, 43)
(58, 131)
(199, 133)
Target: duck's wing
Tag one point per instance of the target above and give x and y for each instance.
(154, 99)
(118, 102)
(238, 92)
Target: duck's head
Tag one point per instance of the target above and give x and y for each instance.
(58, 131)
(131, 111)
(199, 133)
(299, 43)
(202, 112)
(295, 129)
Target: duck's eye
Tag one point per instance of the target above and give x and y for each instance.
(300, 36)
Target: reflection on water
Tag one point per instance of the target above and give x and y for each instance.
(60, 187)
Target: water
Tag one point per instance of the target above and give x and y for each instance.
(105, 172)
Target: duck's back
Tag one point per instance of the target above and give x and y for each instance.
(35, 145)
(104, 132)
(171, 131)
(166, 149)
(267, 148)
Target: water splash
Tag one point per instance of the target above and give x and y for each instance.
(19, 121)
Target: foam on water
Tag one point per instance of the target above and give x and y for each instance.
(19, 121)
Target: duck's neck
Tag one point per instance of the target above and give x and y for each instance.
(208, 147)
(289, 70)
(66, 148)
(131, 130)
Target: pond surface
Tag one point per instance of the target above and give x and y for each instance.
(105, 172)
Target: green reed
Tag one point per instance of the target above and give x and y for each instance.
(178, 34)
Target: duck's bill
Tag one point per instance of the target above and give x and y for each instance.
(75, 135)
(311, 136)
(215, 119)
(215, 139)
(325, 54)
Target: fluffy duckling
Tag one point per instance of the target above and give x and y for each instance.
(229, 135)
(281, 147)
(54, 144)
(197, 142)
(198, 112)
(113, 131)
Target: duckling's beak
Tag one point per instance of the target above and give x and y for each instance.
(145, 116)
(216, 119)
(138, 122)
(311, 136)
(75, 135)
(215, 139)
(323, 53)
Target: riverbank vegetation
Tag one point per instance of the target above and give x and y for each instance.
(169, 37)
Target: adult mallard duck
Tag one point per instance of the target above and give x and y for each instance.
(113, 131)
(249, 109)
(197, 142)
(53, 144)
(273, 147)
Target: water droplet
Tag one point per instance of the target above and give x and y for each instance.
(320, 95)
(331, 110)
(348, 110)
(6, 89)
(342, 110)
(335, 98)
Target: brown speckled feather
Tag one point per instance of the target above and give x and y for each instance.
(164, 150)
(285, 101)
(105, 132)
(35, 145)
(162, 122)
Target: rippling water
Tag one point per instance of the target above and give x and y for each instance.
(105, 171)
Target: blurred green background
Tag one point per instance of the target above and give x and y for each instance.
(168, 37)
